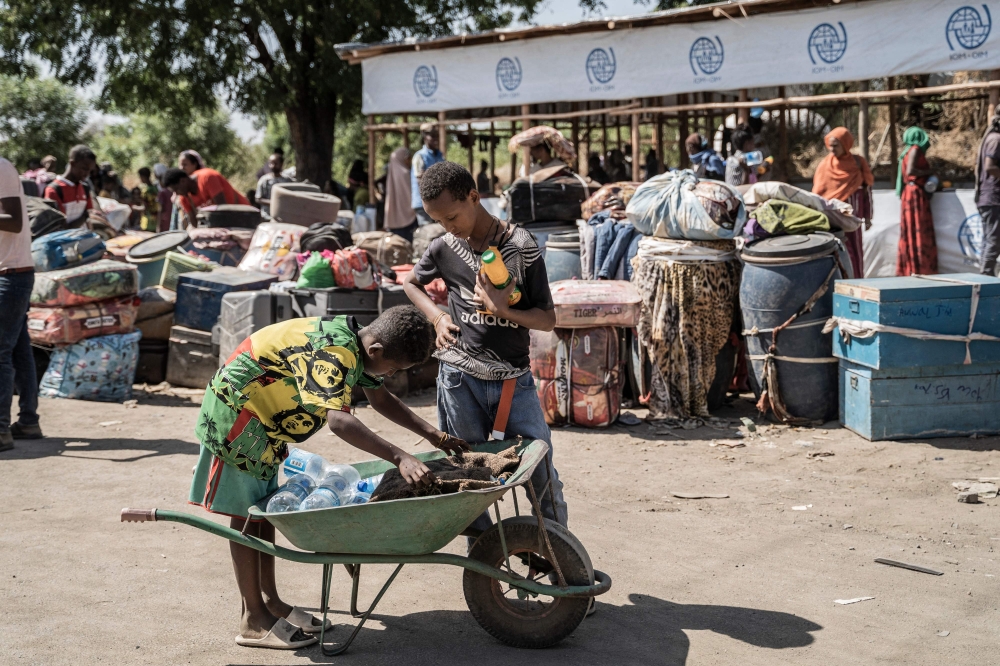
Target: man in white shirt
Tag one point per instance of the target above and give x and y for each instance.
(263, 195)
(17, 276)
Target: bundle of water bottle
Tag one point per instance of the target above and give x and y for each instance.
(313, 483)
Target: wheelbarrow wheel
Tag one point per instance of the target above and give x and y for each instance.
(513, 616)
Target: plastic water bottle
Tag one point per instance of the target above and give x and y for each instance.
(754, 158)
(370, 484)
(342, 478)
(321, 498)
(360, 498)
(290, 495)
(303, 462)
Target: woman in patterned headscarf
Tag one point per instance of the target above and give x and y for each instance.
(917, 253)
(847, 177)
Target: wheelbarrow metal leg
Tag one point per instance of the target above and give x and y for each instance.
(340, 649)
(355, 581)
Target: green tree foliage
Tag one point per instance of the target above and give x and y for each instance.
(38, 117)
(145, 139)
(264, 56)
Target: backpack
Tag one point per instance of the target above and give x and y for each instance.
(321, 236)
(43, 217)
(578, 375)
(384, 247)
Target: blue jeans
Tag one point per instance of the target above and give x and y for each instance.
(17, 362)
(467, 408)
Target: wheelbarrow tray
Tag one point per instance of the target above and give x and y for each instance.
(410, 526)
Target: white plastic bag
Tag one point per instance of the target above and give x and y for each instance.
(665, 206)
(273, 249)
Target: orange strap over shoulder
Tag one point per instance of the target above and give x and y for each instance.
(503, 410)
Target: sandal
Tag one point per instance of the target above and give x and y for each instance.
(305, 621)
(282, 636)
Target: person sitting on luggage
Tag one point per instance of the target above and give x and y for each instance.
(204, 187)
(482, 341)
(541, 158)
(278, 388)
(70, 190)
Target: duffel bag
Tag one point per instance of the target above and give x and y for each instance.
(555, 199)
(578, 375)
(229, 216)
(67, 325)
(422, 238)
(44, 216)
(65, 249)
(384, 247)
(321, 236)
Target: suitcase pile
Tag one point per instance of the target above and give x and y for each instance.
(920, 356)
(579, 367)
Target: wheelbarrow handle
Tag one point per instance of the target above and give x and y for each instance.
(138, 515)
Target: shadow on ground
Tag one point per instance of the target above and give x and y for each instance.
(646, 631)
(92, 448)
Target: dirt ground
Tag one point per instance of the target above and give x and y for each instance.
(749, 579)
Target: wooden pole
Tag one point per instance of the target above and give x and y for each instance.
(783, 138)
(575, 132)
(863, 127)
(659, 144)
(406, 132)
(371, 160)
(893, 147)
(443, 134)
(585, 166)
(994, 94)
(471, 138)
(743, 113)
(493, 158)
(513, 156)
(604, 133)
(682, 132)
(636, 148)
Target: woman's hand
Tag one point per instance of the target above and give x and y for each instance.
(445, 331)
(450, 444)
(415, 472)
(488, 297)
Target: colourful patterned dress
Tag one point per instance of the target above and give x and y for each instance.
(917, 253)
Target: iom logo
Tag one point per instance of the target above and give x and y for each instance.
(425, 80)
(827, 44)
(706, 55)
(508, 74)
(967, 28)
(601, 66)
(970, 239)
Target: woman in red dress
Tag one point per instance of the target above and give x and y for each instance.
(917, 254)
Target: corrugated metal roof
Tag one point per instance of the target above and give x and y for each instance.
(720, 11)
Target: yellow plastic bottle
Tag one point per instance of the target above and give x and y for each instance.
(497, 273)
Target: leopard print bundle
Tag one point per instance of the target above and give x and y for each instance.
(687, 314)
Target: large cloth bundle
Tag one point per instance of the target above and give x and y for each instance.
(89, 283)
(66, 325)
(384, 247)
(609, 197)
(689, 303)
(65, 249)
(273, 249)
(784, 218)
(677, 205)
(101, 368)
(839, 213)
(539, 134)
(553, 199)
(578, 375)
(422, 238)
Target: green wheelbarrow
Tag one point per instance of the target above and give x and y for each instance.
(528, 581)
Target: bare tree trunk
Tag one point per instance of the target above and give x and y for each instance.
(311, 127)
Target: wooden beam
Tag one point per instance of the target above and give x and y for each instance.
(994, 94)
(863, 127)
(636, 146)
(406, 132)
(742, 112)
(783, 139)
(371, 161)
(682, 132)
(659, 144)
(493, 158)
(893, 148)
(443, 134)
(604, 132)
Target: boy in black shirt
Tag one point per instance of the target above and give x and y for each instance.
(484, 374)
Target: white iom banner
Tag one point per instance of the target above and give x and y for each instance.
(958, 230)
(847, 42)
